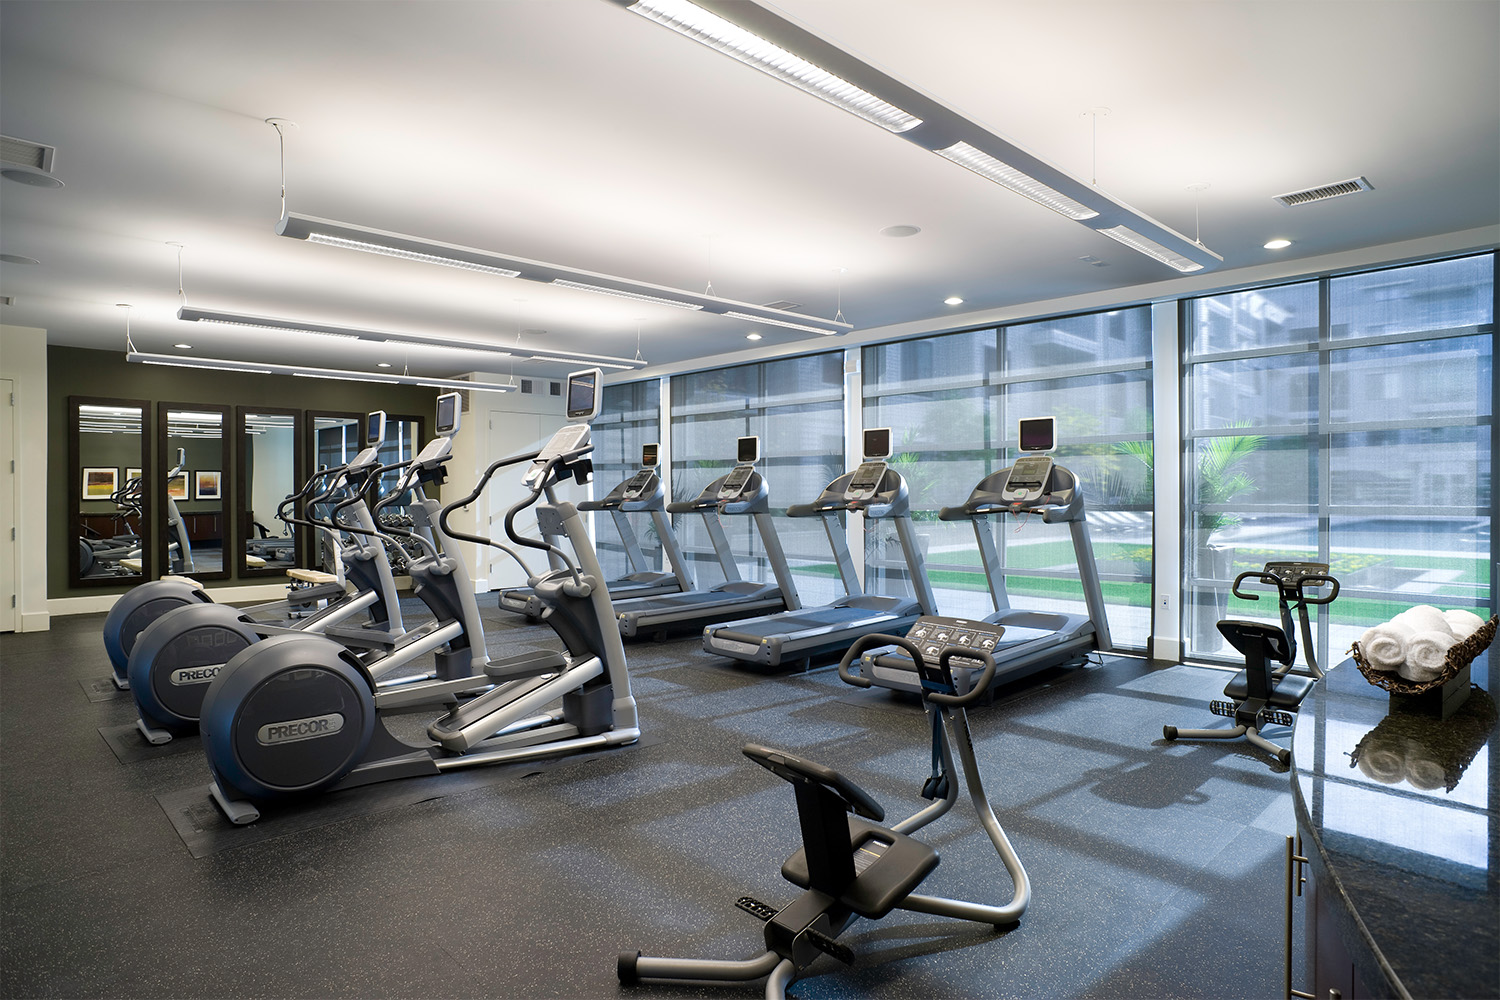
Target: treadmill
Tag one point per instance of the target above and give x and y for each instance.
(742, 491)
(880, 492)
(641, 492)
(1021, 642)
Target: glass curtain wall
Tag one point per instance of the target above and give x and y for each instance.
(1346, 420)
(952, 403)
(629, 417)
(796, 407)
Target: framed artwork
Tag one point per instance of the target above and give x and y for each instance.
(99, 483)
(206, 485)
(177, 486)
(132, 474)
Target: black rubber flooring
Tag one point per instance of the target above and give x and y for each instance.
(1156, 870)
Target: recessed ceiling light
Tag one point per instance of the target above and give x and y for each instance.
(897, 232)
(752, 336)
(183, 347)
(953, 300)
(11, 258)
(382, 364)
(1278, 244)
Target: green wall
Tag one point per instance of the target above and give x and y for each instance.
(73, 371)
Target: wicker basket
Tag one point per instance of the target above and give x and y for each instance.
(1460, 656)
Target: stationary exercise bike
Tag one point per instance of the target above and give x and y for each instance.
(1262, 694)
(850, 866)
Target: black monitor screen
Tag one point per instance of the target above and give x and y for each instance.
(375, 428)
(1038, 434)
(749, 450)
(648, 455)
(582, 393)
(447, 413)
(878, 442)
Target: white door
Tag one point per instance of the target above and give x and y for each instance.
(8, 582)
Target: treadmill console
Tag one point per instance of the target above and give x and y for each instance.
(865, 482)
(636, 485)
(1028, 479)
(735, 482)
(933, 633)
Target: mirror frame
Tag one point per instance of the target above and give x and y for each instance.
(227, 536)
(309, 552)
(244, 529)
(75, 492)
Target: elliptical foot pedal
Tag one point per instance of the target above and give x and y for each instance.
(829, 946)
(237, 811)
(155, 737)
(757, 909)
(1279, 717)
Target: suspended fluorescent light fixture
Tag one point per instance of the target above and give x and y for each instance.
(194, 315)
(729, 38)
(781, 322)
(769, 42)
(304, 371)
(343, 234)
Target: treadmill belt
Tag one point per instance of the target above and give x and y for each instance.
(786, 624)
(690, 599)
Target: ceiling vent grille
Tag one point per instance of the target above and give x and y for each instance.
(556, 388)
(1337, 190)
(526, 387)
(27, 154)
(783, 305)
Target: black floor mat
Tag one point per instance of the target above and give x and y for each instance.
(102, 689)
(131, 747)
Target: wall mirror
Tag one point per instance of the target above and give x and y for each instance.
(193, 531)
(270, 469)
(110, 491)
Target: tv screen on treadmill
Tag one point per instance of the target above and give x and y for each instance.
(648, 455)
(1038, 433)
(749, 450)
(878, 442)
(375, 427)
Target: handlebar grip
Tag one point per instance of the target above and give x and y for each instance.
(865, 642)
(1319, 580)
(1260, 575)
(976, 688)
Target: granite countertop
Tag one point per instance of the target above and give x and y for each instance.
(1403, 810)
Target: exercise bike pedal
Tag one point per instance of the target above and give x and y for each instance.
(757, 909)
(1224, 708)
(1277, 716)
(829, 946)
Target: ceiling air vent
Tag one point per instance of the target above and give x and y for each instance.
(783, 305)
(1338, 190)
(557, 388)
(27, 162)
(526, 387)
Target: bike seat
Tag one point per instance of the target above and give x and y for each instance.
(1288, 692)
(887, 865)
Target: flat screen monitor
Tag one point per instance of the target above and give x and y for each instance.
(374, 429)
(649, 454)
(748, 451)
(447, 414)
(1038, 433)
(878, 442)
(583, 394)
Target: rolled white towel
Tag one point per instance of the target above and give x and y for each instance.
(1384, 646)
(1424, 618)
(1462, 623)
(1427, 655)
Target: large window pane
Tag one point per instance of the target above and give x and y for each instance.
(629, 417)
(796, 407)
(1374, 429)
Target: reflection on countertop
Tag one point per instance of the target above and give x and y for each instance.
(1404, 813)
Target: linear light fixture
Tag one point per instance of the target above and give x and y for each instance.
(344, 234)
(194, 315)
(303, 371)
(775, 45)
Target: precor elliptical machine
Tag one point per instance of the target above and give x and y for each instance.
(849, 866)
(297, 715)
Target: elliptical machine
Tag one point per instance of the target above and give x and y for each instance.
(365, 564)
(297, 715)
(1260, 694)
(849, 866)
(177, 656)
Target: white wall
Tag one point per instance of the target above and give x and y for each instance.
(23, 359)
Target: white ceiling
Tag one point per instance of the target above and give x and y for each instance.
(574, 132)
